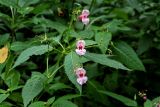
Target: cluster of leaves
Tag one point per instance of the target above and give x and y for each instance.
(122, 42)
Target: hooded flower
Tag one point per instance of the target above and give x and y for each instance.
(81, 78)
(80, 72)
(84, 16)
(80, 47)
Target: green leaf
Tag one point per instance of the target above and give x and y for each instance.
(23, 3)
(104, 60)
(103, 39)
(144, 44)
(85, 34)
(58, 86)
(32, 88)
(148, 103)
(19, 46)
(11, 79)
(90, 42)
(124, 100)
(64, 103)
(3, 39)
(9, 3)
(71, 62)
(51, 100)
(3, 97)
(156, 101)
(37, 104)
(69, 96)
(35, 50)
(50, 24)
(40, 8)
(127, 55)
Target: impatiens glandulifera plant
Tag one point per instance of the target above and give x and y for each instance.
(80, 47)
(101, 46)
(84, 16)
(81, 76)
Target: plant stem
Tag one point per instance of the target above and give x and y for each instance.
(47, 64)
(47, 59)
(91, 5)
(61, 46)
(12, 24)
(55, 71)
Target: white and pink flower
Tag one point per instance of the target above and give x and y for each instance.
(84, 16)
(81, 78)
(80, 47)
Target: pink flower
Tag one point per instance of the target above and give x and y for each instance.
(80, 44)
(85, 21)
(81, 52)
(85, 12)
(145, 97)
(80, 47)
(82, 80)
(80, 72)
(84, 16)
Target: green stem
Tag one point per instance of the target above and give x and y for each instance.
(91, 5)
(47, 65)
(47, 59)
(12, 12)
(55, 71)
(61, 46)
(71, 22)
(72, 17)
(12, 24)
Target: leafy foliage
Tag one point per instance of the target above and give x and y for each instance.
(71, 62)
(38, 42)
(32, 88)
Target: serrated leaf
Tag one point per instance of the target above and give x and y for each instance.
(127, 55)
(69, 96)
(9, 3)
(23, 3)
(64, 103)
(11, 79)
(3, 97)
(124, 100)
(32, 88)
(51, 100)
(35, 50)
(103, 39)
(148, 103)
(58, 86)
(3, 39)
(19, 46)
(51, 24)
(71, 62)
(90, 42)
(85, 34)
(104, 60)
(38, 104)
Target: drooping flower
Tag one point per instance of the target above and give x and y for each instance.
(85, 12)
(80, 72)
(81, 78)
(80, 47)
(85, 21)
(84, 16)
